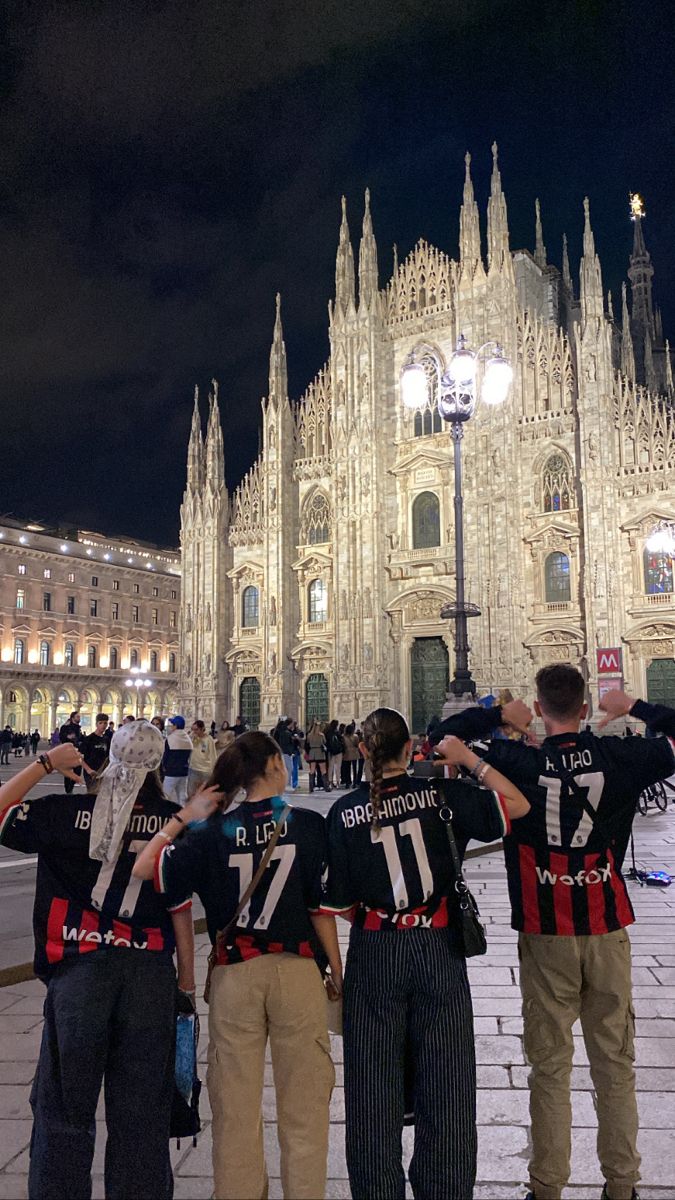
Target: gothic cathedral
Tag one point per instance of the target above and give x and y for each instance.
(315, 589)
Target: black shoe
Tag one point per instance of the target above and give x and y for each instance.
(634, 1195)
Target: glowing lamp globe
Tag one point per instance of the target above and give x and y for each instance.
(497, 381)
(462, 369)
(661, 541)
(414, 387)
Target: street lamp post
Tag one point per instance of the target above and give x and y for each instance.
(457, 398)
(141, 685)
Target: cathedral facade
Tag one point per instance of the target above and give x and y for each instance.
(315, 589)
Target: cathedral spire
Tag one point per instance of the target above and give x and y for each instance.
(592, 302)
(610, 305)
(650, 375)
(215, 454)
(497, 220)
(368, 281)
(278, 380)
(539, 247)
(627, 354)
(195, 455)
(669, 368)
(344, 266)
(469, 225)
(566, 273)
(640, 273)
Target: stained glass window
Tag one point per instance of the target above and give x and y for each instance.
(658, 572)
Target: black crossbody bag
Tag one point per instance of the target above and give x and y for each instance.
(471, 928)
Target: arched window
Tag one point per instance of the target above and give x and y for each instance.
(153, 660)
(250, 608)
(69, 654)
(658, 572)
(316, 521)
(556, 484)
(91, 656)
(172, 662)
(249, 701)
(114, 657)
(426, 521)
(133, 658)
(44, 654)
(19, 650)
(428, 420)
(557, 579)
(318, 601)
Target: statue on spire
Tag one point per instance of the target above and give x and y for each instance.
(344, 266)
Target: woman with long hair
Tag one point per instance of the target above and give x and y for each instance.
(266, 984)
(317, 755)
(406, 992)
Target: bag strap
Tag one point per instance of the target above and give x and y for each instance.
(460, 882)
(264, 863)
(567, 777)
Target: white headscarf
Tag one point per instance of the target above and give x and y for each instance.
(135, 749)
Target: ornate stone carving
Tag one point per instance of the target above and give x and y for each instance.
(424, 607)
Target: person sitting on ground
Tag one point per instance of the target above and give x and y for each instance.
(104, 943)
(571, 907)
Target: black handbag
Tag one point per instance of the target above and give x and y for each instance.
(471, 928)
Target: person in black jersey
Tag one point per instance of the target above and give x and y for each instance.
(571, 907)
(389, 872)
(266, 983)
(103, 945)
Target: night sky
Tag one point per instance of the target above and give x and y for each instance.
(165, 168)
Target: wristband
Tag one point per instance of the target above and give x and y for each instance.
(167, 836)
(479, 770)
(175, 817)
(46, 762)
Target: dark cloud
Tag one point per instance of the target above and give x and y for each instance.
(167, 167)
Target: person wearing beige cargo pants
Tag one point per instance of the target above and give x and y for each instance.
(280, 996)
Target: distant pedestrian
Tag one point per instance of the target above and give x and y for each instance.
(71, 732)
(5, 744)
(158, 722)
(335, 745)
(35, 740)
(203, 757)
(95, 751)
(239, 726)
(176, 760)
(224, 737)
(317, 756)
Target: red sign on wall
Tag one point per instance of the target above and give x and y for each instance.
(610, 660)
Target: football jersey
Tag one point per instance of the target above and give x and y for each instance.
(82, 905)
(564, 870)
(218, 858)
(401, 876)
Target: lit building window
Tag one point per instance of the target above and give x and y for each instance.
(44, 654)
(557, 579)
(93, 608)
(69, 654)
(658, 572)
(250, 607)
(172, 662)
(428, 420)
(153, 660)
(21, 568)
(114, 657)
(134, 613)
(426, 521)
(318, 601)
(20, 598)
(47, 573)
(91, 656)
(70, 606)
(19, 650)
(133, 658)
(556, 484)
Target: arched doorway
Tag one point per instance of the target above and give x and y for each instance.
(661, 681)
(39, 712)
(89, 706)
(16, 708)
(249, 701)
(65, 704)
(317, 706)
(429, 680)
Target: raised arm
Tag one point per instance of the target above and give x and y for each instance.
(657, 717)
(454, 752)
(61, 758)
(475, 723)
(202, 804)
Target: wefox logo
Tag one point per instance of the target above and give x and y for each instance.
(600, 875)
(107, 939)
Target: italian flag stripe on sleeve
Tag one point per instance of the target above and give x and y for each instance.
(504, 813)
(160, 883)
(7, 816)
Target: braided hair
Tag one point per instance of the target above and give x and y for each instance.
(385, 733)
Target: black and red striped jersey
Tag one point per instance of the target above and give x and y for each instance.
(400, 875)
(82, 905)
(218, 858)
(564, 870)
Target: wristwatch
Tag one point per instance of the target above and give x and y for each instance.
(46, 762)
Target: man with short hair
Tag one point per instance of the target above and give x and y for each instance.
(239, 726)
(176, 760)
(5, 744)
(72, 732)
(570, 905)
(95, 750)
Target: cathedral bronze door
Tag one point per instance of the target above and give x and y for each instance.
(661, 681)
(429, 681)
(249, 701)
(316, 699)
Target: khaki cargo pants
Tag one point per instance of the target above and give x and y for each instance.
(563, 979)
(280, 996)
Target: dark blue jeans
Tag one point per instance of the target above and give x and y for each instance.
(109, 1019)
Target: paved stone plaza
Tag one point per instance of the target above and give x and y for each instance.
(502, 1074)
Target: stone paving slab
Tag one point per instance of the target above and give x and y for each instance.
(502, 1071)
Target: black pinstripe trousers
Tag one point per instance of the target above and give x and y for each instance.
(409, 987)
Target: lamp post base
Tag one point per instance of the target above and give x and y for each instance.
(456, 702)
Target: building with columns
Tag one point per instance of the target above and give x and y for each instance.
(315, 588)
(80, 614)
